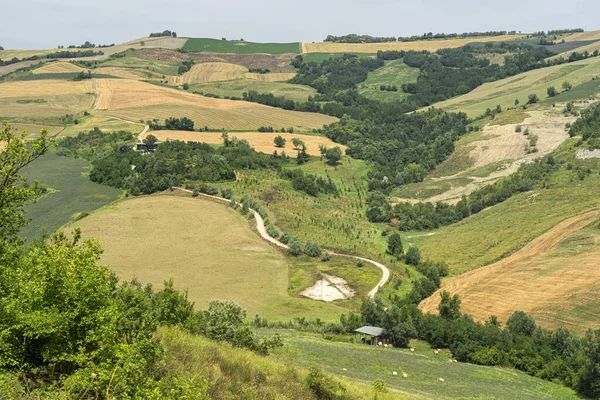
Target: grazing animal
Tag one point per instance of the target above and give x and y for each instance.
(412, 349)
(436, 352)
(440, 379)
(405, 375)
(394, 373)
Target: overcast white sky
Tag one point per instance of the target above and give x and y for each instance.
(31, 24)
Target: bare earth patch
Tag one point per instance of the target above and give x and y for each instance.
(329, 289)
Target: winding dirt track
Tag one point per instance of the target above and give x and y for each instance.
(260, 225)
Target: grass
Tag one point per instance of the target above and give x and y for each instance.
(587, 90)
(239, 47)
(211, 252)
(107, 124)
(236, 88)
(393, 73)
(499, 231)
(426, 189)
(132, 60)
(71, 193)
(505, 91)
(326, 56)
(366, 363)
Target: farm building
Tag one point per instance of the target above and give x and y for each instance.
(371, 335)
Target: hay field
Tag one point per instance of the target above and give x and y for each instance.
(591, 35)
(261, 141)
(430, 45)
(238, 87)
(57, 68)
(557, 271)
(213, 72)
(134, 100)
(271, 77)
(104, 123)
(33, 130)
(51, 99)
(206, 247)
(505, 91)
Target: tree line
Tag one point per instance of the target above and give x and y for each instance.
(355, 38)
(163, 33)
(588, 127)
(57, 54)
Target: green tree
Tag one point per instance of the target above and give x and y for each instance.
(312, 249)
(150, 142)
(533, 98)
(333, 155)
(279, 141)
(521, 323)
(516, 102)
(566, 85)
(413, 256)
(449, 306)
(552, 91)
(298, 144)
(295, 246)
(395, 246)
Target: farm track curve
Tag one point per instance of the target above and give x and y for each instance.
(262, 230)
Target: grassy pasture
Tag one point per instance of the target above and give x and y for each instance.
(239, 47)
(505, 91)
(308, 57)
(393, 73)
(207, 248)
(107, 124)
(261, 141)
(33, 130)
(71, 193)
(366, 363)
(430, 45)
(138, 62)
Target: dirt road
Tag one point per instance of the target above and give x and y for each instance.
(260, 226)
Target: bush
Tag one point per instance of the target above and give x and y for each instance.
(413, 256)
(212, 190)
(359, 263)
(326, 256)
(518, 129)
(227, 193)
(295, 246)
(285, 238)
(312, 249)
(272, 231)
(323, 386)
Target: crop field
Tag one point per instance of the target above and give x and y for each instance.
(261, 141)
(213, 72)
(556, 271)
(53, 98)
(238, 87)
(271, 77)
(505, 91)
(138, 62)
(366, 363)
(239, 46)
(308, 57)
(206, 247)
(34, 129)
(57, 68)
(481, 158)
(393, 73)
(71, 192)
(105, 124)
(430, 45)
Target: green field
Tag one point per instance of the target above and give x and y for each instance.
(366, 363)
(237, 87)
(71, 192)
(499, 231)
(239, 47)
(393, 73)
(133, 60)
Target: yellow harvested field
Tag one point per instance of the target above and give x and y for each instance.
(505, 91)
(50, 87)
(430, 45)
(591, 35)
(213, 72)
(272, 77)
(261, 141)
(8, 54)
(555, 278)
(105, 124)
(57, 68)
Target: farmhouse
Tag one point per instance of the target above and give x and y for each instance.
(371, 335)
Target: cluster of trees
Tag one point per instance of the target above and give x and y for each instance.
(354, 38)
(588, 127)
(57, 54)
(83, 75)
(172, 124)
(388, 88)
(563, 31)
(163, 33)
(185, 66)
(87, 45)
(70, 329)
(557, 355)
(309, 183)
(425, 216)
(171, 164)
(259, 70)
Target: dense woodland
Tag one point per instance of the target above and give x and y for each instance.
(588, 127)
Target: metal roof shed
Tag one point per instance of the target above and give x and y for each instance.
(374, 332)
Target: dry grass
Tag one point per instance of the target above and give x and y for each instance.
(430, 45)
(261, 141)
(105, 124)
(33, 130)
(207, 248)
(272, 77)
(505, 91)
(536, 279)
(50, 87)
(57, 68)
(213, 72)
(591, 35)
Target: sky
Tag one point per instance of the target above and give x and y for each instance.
(36, 24)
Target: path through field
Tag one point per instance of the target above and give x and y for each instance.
(262, 230)
(543, 279)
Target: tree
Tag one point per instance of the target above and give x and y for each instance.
(533, 98)
(333, 155)
(566, 85)
(449, 307)
(552, 91)
(14, 190)
(150, 142)
(521, 323)
(516, 102)
(297, 143)
(395, 247)
(186, 86)
(498, 109)
(413, 256)
(295, 246)
(312, 249)
(279, 141)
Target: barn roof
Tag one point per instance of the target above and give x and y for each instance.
(370, 330)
